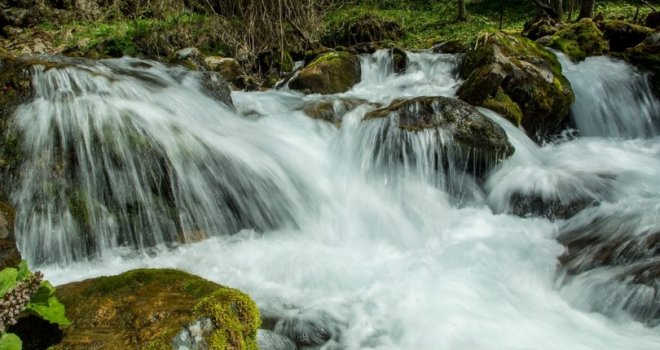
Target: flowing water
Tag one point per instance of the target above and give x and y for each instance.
(315, 226)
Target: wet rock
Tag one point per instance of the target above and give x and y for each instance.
(9, 254)
(617, 252)
(519, 79)
(399, 60)
(215, 86)
(364, 29)
(307, 328)
(227, 67)
(157, 309)
(580, 40)
(330, 73)
(646, 56)
(481, 142)
(622, 35)
(333, 109)
(269, 340)
(526, 205)
(190, 58)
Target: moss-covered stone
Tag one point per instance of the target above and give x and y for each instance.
(330, 73)
(580, 40)
(646, 56)
(482, 142)
(148, 308)
(622, 35)
(518, 78)
(502, 104)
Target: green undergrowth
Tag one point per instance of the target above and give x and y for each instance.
(147, 37)
(428, 23)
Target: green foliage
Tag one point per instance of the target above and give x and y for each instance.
(43, 303)
(9, 341)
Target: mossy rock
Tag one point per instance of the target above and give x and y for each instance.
(149, 308)
(480, 141)
(519, 79)
(330, 73)
(333, 110)
(540, 26)
(580, 40)
(622, 35)
(646, 56)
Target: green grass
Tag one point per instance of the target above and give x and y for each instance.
(426, 23)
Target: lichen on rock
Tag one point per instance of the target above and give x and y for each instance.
(330, 73)
(152, 308)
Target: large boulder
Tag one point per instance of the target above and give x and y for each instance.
(480, 142)
(330, 73)
(622, 35)
(646, 56)
(157, 309)
(519, 79)
(580, 40)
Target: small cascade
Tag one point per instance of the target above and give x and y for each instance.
(612, 99)
(359, 231)
(123, 156)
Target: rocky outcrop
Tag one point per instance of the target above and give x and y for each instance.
(580, 40)
(622, 35)
(481, 143)
(646, 56)
(330, 73)
(519, 79)
(157, 309)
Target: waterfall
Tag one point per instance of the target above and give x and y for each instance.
(612, 98)
(129, 163)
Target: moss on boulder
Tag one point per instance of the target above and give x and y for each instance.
(622, 35)
(153, 309)
(580, 40)
(519, 79)
(330, 73)
(646, 56)
(482, 142)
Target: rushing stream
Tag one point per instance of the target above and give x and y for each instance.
(300, 214)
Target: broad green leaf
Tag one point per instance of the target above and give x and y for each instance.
(10, 341)
(8, 278)
(23, 271)
(44, 304)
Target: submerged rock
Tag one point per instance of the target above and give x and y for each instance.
(333, 109)
(484, 142)
(308, 328)
(620, 252)
(519, 79)
(157, 309)
(269, 340)
(330, 73)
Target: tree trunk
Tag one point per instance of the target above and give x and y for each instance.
(557, 5)
(587, 9)
(461, 10)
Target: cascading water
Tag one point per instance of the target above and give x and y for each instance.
(380, 254)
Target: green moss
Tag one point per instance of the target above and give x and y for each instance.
(78, 205)
(235, 316)
(580, 40)
(502, 104)
(329, 57)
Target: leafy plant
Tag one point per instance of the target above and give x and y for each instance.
(24, 292)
